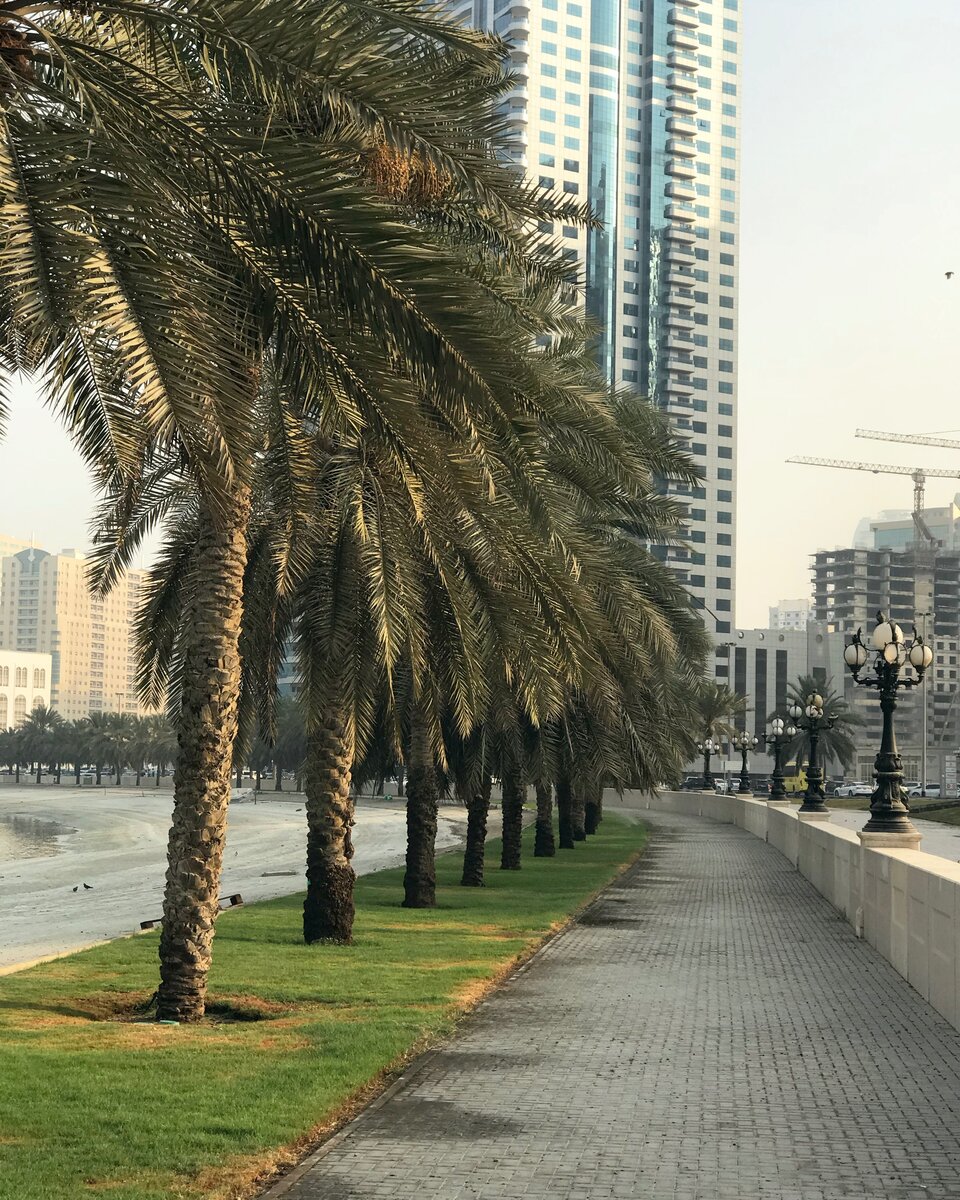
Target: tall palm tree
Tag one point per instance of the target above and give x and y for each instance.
(161, 743)
(174, 301)
(836, 744)
(76, 739)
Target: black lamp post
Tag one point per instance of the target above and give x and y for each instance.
(812, 721)
(778, 738)
(707, 747)
(744, 743)
(889, 810)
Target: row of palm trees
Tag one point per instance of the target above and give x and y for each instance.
(278, 276)
(722, 713)
(114, 741)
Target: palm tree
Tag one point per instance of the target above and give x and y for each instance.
(11, 750)
(76, 737)
(837, 743)
(719, 708)
(38, 736)
(161, 742)
(342, 293)
(100, 741)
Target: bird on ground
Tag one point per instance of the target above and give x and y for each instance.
(88, 887)
(949, 274)
(77, 888)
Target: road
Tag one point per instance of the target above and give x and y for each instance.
(115, 841)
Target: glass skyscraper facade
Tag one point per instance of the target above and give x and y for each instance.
(634, 105)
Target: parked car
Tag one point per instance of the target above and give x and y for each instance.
(845, 791)
(692, 783)
(933, 791)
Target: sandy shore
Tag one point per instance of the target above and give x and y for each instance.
(115, 841)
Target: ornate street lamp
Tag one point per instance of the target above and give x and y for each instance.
(889, 822)
(708, 747)
(812, 721)
(779, 737)
(744, 743)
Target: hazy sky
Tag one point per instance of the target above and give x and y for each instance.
(850, 184)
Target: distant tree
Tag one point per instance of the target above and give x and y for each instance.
(11, 751)
(161, 742)
(719, 706)
(38, 737)
(75, 739)
(837, 744)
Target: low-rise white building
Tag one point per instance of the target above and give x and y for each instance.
(25, 681)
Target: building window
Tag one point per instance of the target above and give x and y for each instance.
(19, 710)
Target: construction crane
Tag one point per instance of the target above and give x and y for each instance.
(914, 439)
(919, 475)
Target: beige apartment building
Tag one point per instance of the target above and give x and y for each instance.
(46, 607)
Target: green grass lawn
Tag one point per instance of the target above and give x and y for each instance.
(94, 1101)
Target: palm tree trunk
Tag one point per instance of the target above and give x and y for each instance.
(206, 727)
(401, 776)
(512, 792)
(565, 812)
(259, 778)
(328, 908)
(277, 779)
(578, 810)
(478, 809)
(423, 798)
(76, 773)
(543, 843)
(39, 772)
(239, 777)
(119, 775)
(99, 774)
(159, 773)
(591, 816)
(139, 773)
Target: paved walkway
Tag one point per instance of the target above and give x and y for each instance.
(711, 1030)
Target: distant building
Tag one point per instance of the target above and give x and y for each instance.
(634, 109)
(790, 614)
(896, 530)
(25, 681)
(46, 607)
(911, 587)
(763, 664)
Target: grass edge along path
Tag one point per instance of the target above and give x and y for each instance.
(94, 1101)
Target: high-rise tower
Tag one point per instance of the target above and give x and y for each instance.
(634, 105)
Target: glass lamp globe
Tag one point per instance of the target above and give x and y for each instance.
(855, 655)
(891, 653)
(795, 711)
(816, 700)
(791, 731)
(921, 656)
(887, 632)
(754, 741)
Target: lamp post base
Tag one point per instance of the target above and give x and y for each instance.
(815, 815)
(890, 841)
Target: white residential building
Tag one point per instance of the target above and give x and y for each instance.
(25, 682)
(634, 106)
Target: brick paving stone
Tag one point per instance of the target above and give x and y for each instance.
(711, 1029)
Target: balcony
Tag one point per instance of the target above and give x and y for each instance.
(679, 387)
(681, 168)
(680, 320)
(683, 17)
(682, 61)
(678, 147)
(678, 103)
(682, 82)
(680, 298)
(681, 233)
(519, 52)
(680, 345)
(681, 191)
(683, 39)
(679, 253)
(678, 277)
(678, 365)
(688, 3)
(682, 127)
(680, 212)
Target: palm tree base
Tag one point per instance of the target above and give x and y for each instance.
(328, 910)
(474, 850)
(420, 878)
